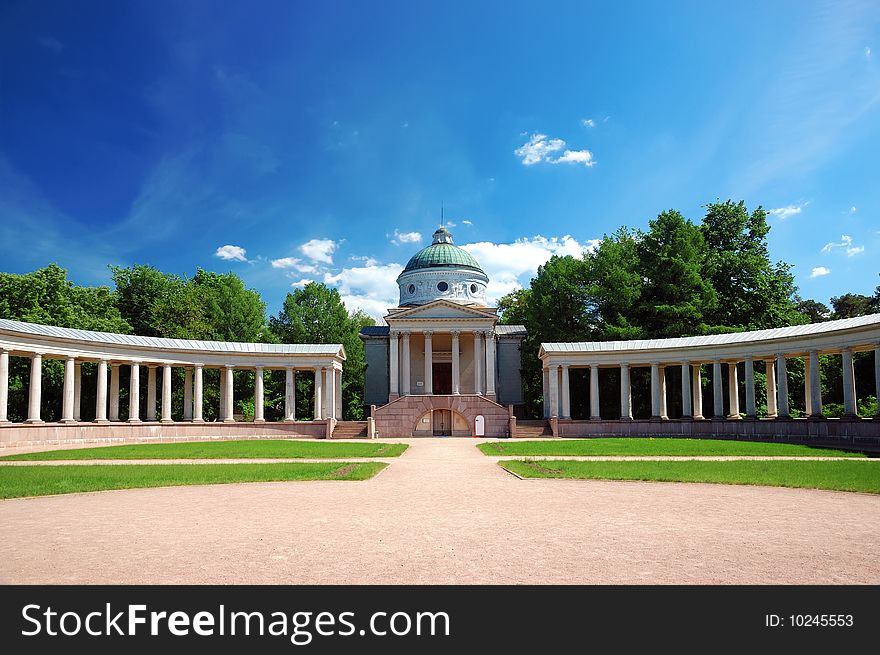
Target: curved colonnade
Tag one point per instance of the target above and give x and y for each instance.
(736, 352)
(110, 352)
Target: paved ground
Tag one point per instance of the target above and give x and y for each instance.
(444, 513)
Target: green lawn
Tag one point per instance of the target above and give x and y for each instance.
(224, 450)
(18, 481)
(645, 447)
(838, 475)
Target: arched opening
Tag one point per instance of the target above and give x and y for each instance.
(442, 423)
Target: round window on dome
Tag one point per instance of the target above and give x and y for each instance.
(411, 288)
(473, 288)
(442, 286)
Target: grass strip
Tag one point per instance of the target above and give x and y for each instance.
(18, 481)
(636, 446)
(836, 475)
(247, 449)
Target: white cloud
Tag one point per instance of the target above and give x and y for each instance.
(588, 122)
(540, 148)
(372, 288)
(788, 211)
(511, 265)
(399, 237)
(867, 52)
(319, 250)
(285, 262)
(301, 283)
(853, 209)
(450, 224)
(231, 253)
(466, 222)
(293, 262)
(819, 271)
(845, 244)
(584, 157)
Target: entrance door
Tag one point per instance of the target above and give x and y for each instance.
(442, 423)
(442, 374)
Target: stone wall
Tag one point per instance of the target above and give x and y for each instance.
(399, 418)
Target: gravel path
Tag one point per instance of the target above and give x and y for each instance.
(444, 513)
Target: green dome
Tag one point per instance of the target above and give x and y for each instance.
(442, 253)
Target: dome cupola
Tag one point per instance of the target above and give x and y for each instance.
(442, 270)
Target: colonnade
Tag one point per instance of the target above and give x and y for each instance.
(557, 394)
(327, 389)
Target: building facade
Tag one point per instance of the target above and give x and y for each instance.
(442, 366)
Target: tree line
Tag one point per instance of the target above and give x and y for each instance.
(211, 306)
(675, 279)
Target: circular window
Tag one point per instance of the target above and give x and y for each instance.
(473, 288)
(442, 286)
(411, 288)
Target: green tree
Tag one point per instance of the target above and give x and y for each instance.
(616, 286)
(675, 296)
(753, 293)
(316, 314)
(850, 305)
(138, 289)
(814, 311)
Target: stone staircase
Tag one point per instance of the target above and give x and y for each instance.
(531, 429)
(350, 430)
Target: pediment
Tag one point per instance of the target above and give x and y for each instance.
(442, 309)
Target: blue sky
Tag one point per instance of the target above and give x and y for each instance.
(293, 141)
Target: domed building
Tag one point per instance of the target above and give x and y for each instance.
(442, 366)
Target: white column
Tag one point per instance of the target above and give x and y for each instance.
(134, 393)
(114, 392)
(331, 392)
(326, 390)
(35, 389)
(751, 410)
(290, 394)
(815, 385)
(849, 384)
(198, 394)
(545, 371)
(655, 391)
(456, 364)
(101, 395)
(697, 375)
(429, 363)
(222, 414)
(258, 395)
(594, 393)
(808, 396)
(393, 375)
(67, 393)
(339, 393)
(318, 381)
(229, 395)
(626, 405)
(478, 364)
(717, 390)
(166, 393)
(877, 378)
(733, 389)
(188, 394)
(406, 367)
(770, 368)
(566, 391)
(663, 413)
(686, 406)
(554, 390)
(490, 367)
(782, 386)
(77, 391)
(4, 386)
(151, 393)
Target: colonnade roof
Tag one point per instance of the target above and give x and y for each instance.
(757, 337)
(20, 328)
